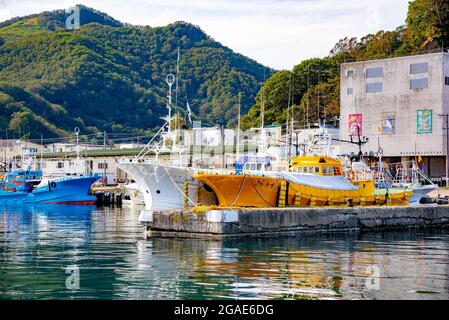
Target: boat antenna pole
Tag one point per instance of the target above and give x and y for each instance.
(77, 132)
(177, 77)
(380, 152)
(170, 81)
(238, 128)
(42, 150)
(361, 141)
(292, 107)
(262, 117)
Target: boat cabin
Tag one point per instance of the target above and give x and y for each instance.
(21, 180)
(253, 163)
(318, 165)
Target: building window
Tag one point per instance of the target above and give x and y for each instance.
(417, 68)
(350, 91)
(374, 73)
(417, 84)
(102, 165)
(350, 73)
(374, 87)
(446, 81)
(60, 165)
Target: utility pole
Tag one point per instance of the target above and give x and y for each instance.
(223, 164)
(446, 127)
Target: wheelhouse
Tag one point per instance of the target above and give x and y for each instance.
(321, 166)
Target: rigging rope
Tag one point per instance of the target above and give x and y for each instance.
(238, 194)
(176, 185)
(269, 204)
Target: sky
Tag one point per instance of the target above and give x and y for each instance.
(276, 33)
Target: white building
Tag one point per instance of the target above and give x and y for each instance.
(10, 149)
(129, 146)
(59, 167)
(400, 104)
(273, 136)
(71, 147)
(209, 137)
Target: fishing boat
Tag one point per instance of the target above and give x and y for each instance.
(312, 181)
(405, 175)
(164, 186)
(28, 186)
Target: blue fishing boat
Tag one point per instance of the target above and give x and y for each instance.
(27, 186)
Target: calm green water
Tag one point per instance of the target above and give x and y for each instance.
(116, 262)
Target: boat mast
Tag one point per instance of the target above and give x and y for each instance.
(238, 128)
(287, 124)
(262, 118)
(177, 78)
(77, 149)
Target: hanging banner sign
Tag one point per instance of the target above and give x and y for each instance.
(355, 123)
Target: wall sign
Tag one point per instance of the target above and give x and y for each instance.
(424, 121)
(355, 121)
(388, 123)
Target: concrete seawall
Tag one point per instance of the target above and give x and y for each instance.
(217, 224)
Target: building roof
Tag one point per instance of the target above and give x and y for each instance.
(396, 58)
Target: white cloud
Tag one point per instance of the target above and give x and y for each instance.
(278, 33)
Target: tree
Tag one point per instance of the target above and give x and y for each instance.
(21, 122)
(428, 23)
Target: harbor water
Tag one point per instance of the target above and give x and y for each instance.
(84, 252)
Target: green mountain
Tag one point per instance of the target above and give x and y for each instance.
(311, 90)
(110, 76)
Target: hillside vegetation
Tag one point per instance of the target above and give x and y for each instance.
(311, 91)
(111, 76)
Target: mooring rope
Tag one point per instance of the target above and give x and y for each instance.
(181, 191)
(269, 204)
(239, 193)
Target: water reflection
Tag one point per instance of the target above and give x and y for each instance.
(37, 243)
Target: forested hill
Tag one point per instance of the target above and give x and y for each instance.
(311, 90)
(110, 76)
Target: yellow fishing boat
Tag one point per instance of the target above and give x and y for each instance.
(312, 181)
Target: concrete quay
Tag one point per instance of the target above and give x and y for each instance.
(219, 224)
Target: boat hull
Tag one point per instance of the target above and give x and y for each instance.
(163, 187)
(421, 192)
(58, 191)
(266, 191)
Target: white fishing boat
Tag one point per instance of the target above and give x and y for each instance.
(165, 185)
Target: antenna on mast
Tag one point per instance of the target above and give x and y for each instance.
(170, 79)
(77, 133)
